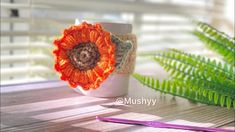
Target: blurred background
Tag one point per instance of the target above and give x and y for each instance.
(28, 28)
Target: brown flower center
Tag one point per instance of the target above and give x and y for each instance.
(84, 56)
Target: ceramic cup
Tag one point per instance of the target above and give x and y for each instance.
(116, 84)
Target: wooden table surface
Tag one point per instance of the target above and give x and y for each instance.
(52, 106)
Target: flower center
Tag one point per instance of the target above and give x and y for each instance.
(84, 56)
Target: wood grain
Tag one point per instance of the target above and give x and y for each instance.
(62, 109)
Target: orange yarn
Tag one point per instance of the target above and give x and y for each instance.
(85, 34)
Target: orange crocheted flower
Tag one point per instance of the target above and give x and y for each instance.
(84, 55)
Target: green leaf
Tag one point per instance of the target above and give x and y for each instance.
(228, 102)
(216, 98)
(222, 100)
(217, 41)
(196, 77)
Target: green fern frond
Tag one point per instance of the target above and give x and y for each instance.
(187, 91)
(216, 40)
(184, 61)
(194, 77)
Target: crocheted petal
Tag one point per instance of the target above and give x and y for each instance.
(94, 36)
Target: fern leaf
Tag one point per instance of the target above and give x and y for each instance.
(208, 76)
(194, 77)
(216, 40)
(182, 90)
